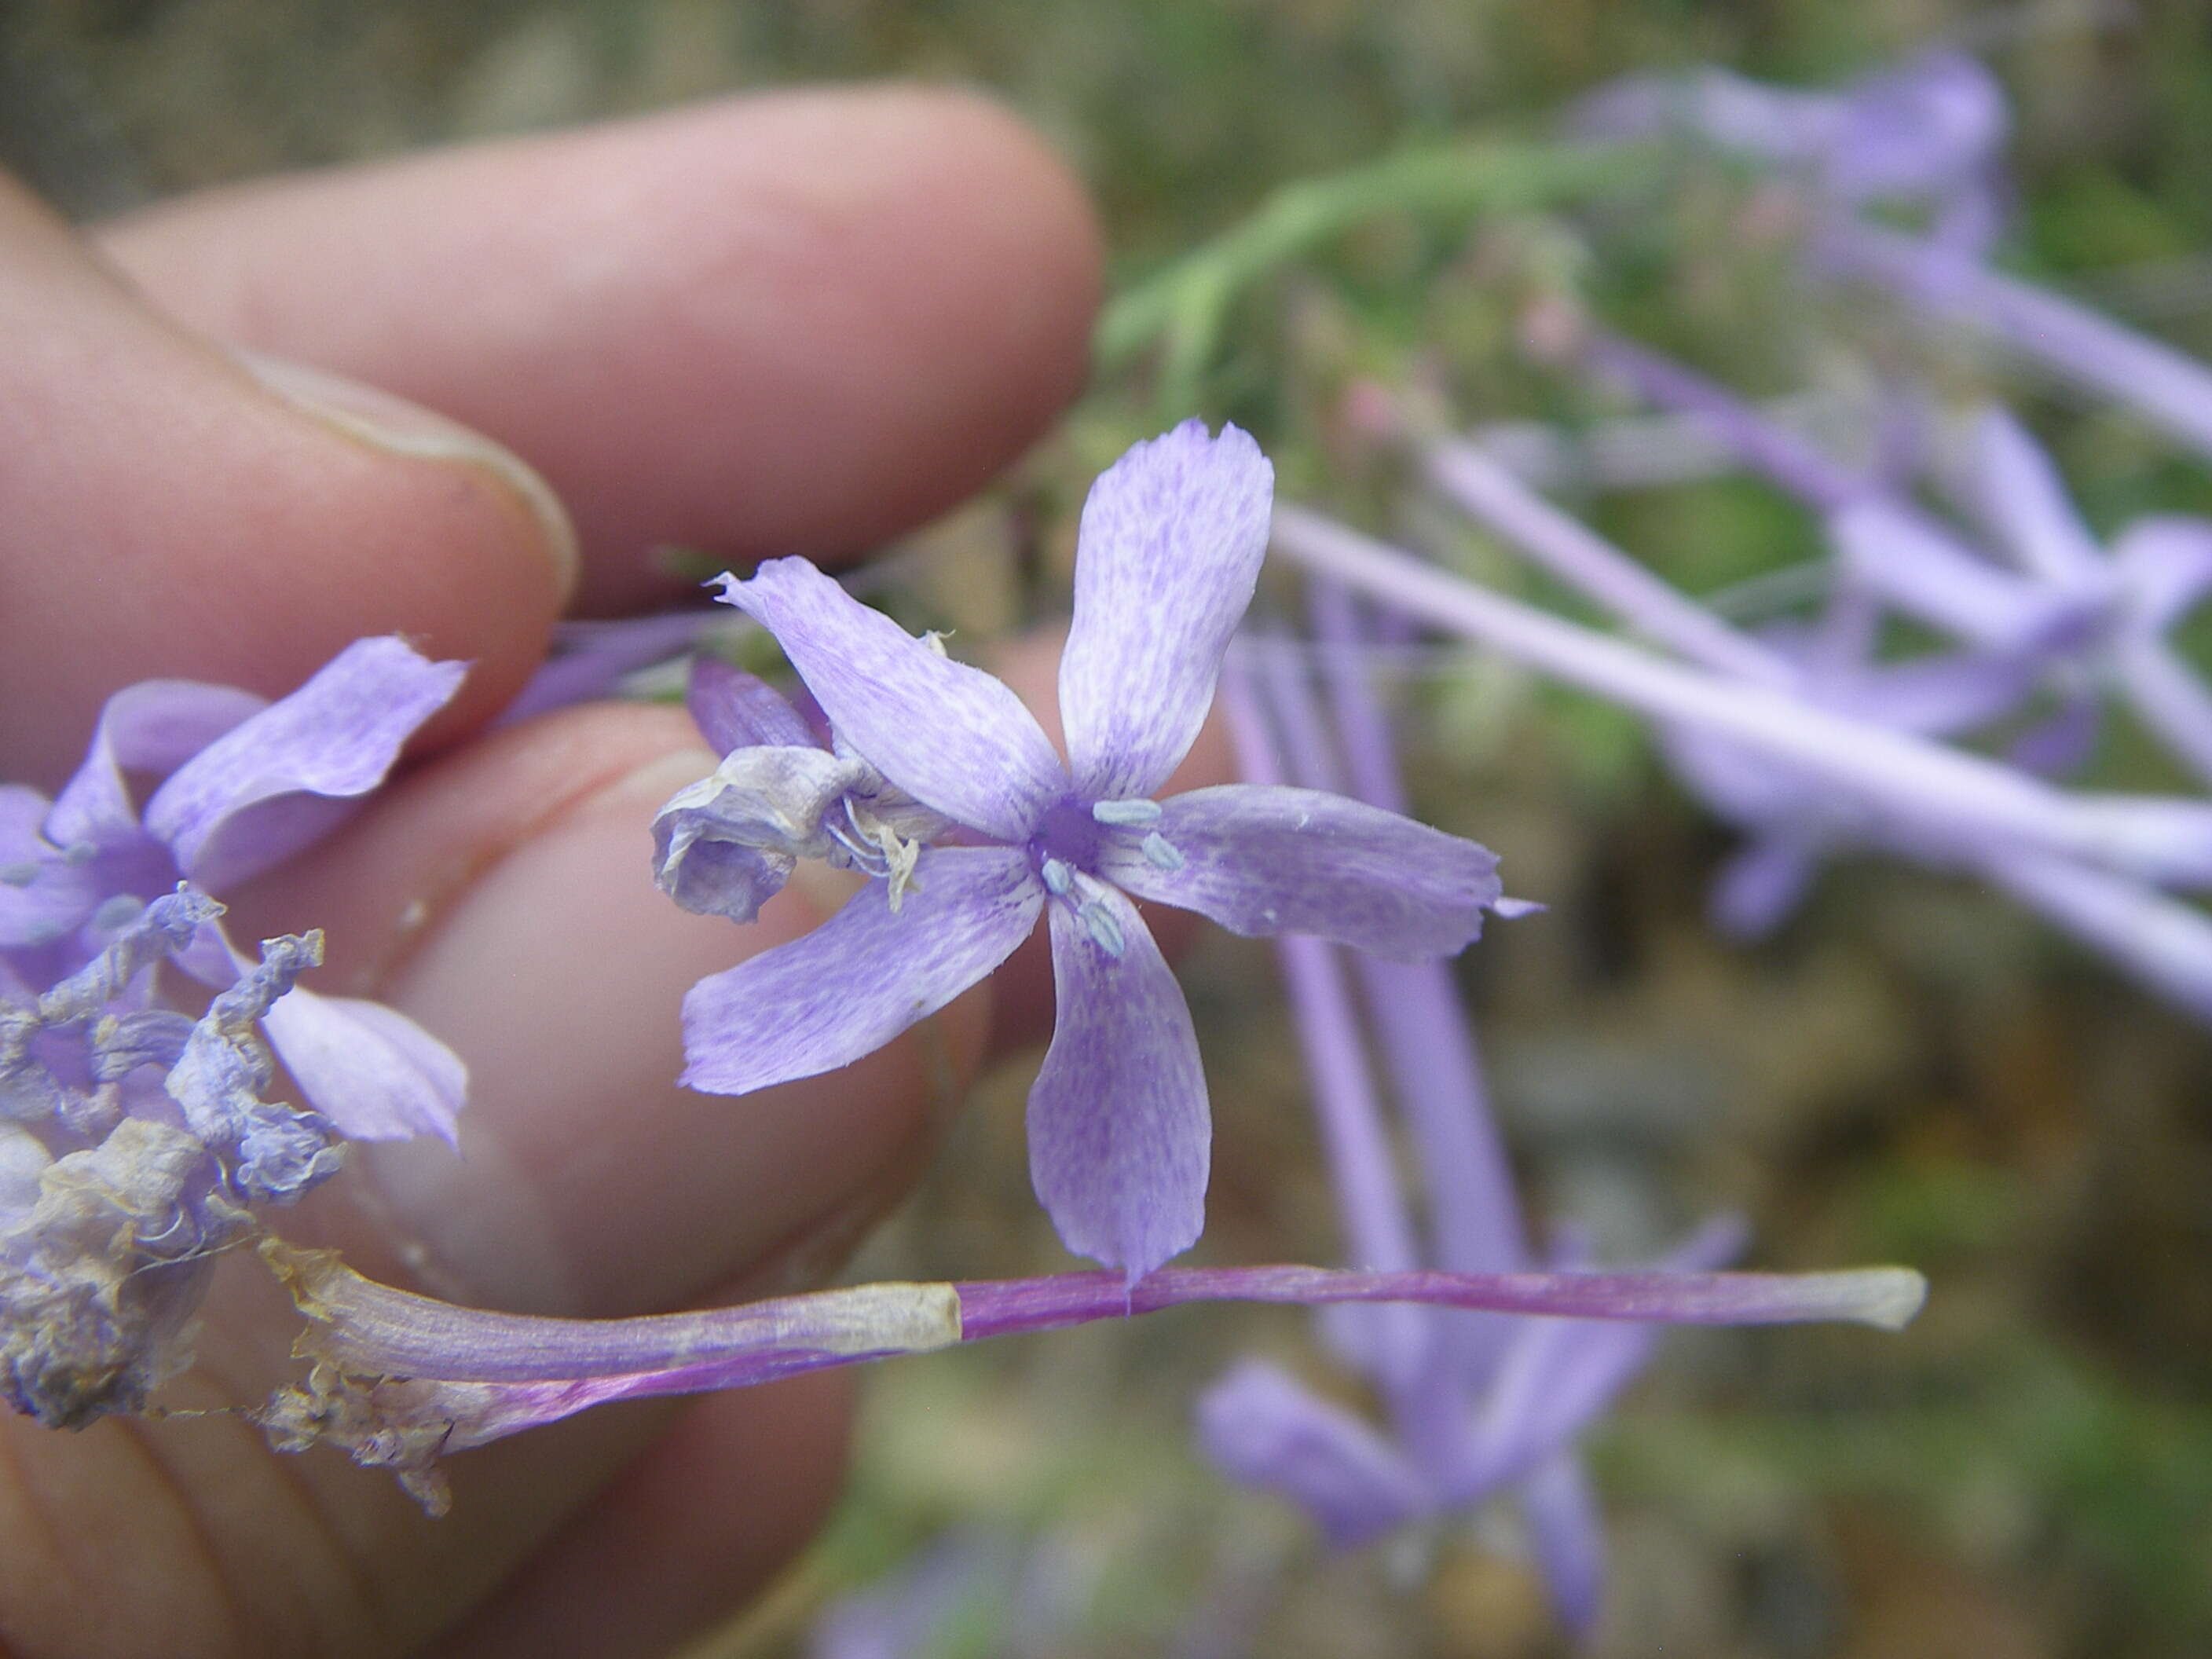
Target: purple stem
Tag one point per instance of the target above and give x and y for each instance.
(1766, 446)
(386, 1336)
(1428, 1045)
(1573, 552)
(2162, 839)
(1378, 1231)
(2171, 389)
(1887, 1297)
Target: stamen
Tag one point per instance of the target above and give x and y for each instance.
(19, 875)
(1125, 812)
(1103, 926)
(1159, 852)
(864, 854)
(1059, 879)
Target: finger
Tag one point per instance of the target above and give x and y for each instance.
(164, 512)
(503, 897)
(682, 1532)
(786, 324)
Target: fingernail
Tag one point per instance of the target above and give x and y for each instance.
(401, 428)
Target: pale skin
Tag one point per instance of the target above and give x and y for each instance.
(798, 323)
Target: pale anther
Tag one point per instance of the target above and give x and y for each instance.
(1159, 853)
(1058, 877)
(1103, 926)
(1125, 812)
(18, 875)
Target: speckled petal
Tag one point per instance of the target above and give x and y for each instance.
(951, 736)
(154, 727)
(1119, 1129)
(1166, 559)
(1262, 860)
(280, 780)
(863, 976)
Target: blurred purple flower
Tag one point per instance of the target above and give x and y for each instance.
(1171, 540)
(1477, 1404)
(1928, 131)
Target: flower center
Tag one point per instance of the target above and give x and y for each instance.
(1068, 834)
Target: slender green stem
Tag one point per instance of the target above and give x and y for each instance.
(1184, 306)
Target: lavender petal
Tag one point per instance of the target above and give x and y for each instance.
(2023, 500)
(591, 657)
(1935, 579)
(1567, 1534)
(153, 726)
(373, 1072)
(2165, 564)
(282, 779)
(1760, 885)
(951, 736)
(863, 976)
(42, 895)
(736, 710)
(1166, 560)
(1119, 1129)
(1263, 1429)
(1262, 860)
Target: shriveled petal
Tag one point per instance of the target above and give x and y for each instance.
(736, 710)
(951, 736)
(155, 726)
(1260, 1427)
(1119, 1130)
(725, 845)
(1262, 860)
(282, 779)
(1166, 559)
(863, 976)
(373, 1072)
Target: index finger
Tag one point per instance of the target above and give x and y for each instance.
(793, 323)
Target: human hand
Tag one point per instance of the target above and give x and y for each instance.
(792, 324)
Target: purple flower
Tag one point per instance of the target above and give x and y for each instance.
(136, 1140)
(1476, 1406)
(244, 784)
(1931, 130)
(1171, 541)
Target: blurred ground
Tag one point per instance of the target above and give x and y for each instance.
(1912, 1071)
